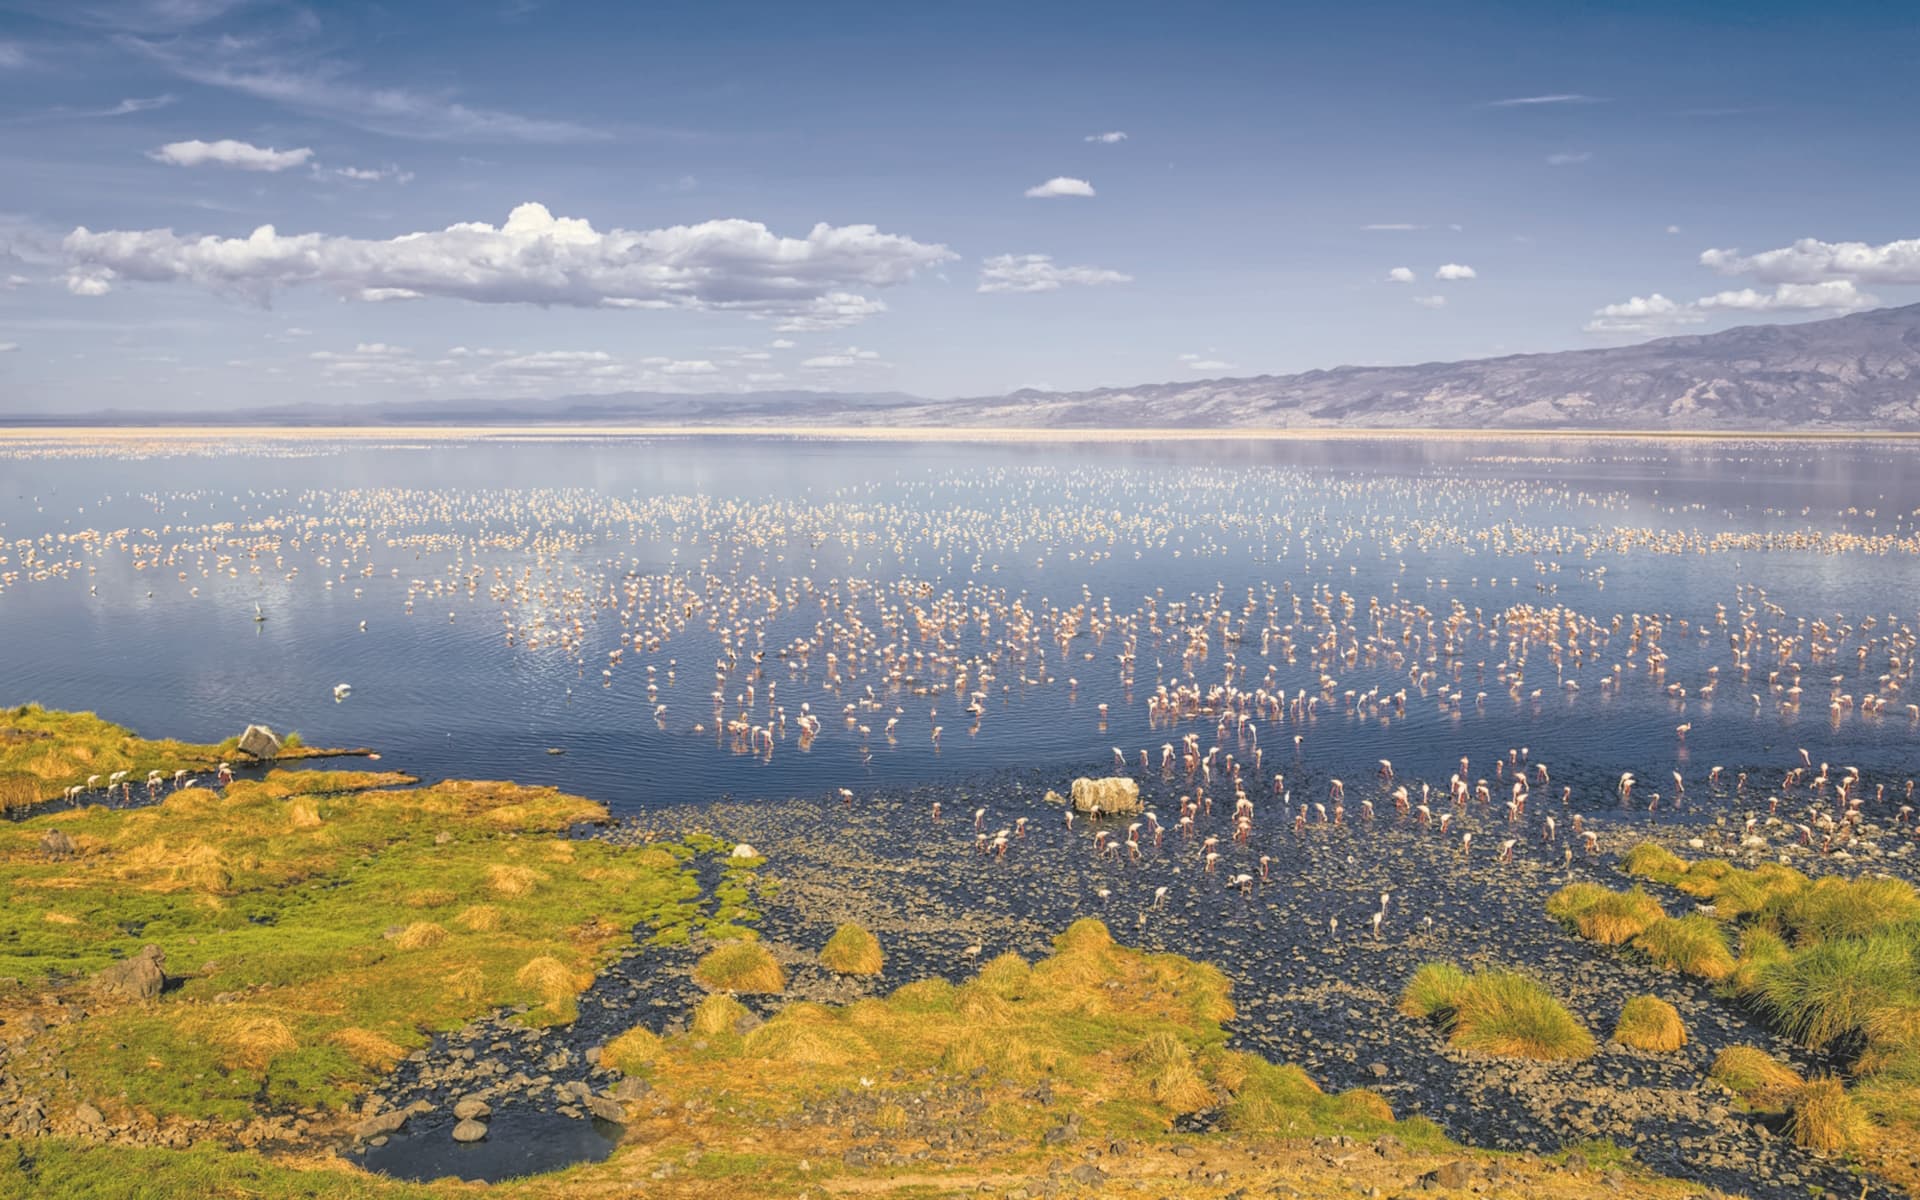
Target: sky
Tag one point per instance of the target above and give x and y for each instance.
(210, 204)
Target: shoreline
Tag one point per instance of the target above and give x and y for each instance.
(106, 434)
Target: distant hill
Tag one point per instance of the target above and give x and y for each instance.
(1853, 373)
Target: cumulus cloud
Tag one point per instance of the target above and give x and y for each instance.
(1455, 271)
(1109, 138)
(1060, 185)
(1400, 275)
(1811, 260)
(1643, 314)
(533, 258)
(226, 152)
(1568, 158)
(1039, 273)
(1430, 301)
(1838, 295)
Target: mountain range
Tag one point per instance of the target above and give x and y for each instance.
(1858, 373)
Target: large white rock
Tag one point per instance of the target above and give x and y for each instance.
(1116, 794)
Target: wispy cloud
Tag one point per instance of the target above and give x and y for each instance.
(241, 156)
(327, 89)
(1110, 138)
(1568, 158)
(12, 56)
(1039, 273)
(1550, 98)
(1391, 227)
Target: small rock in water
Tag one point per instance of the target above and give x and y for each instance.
(555, 750)
(472, 1109)
(469, 1131)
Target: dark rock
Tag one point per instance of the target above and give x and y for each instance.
(138, 978)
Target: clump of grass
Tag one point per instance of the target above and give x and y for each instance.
(1006, 975)
(1496, 1012)
(851, 951)
(374, 1051)
(304, 813)
(1843, 908)
(1830, 991)
(251, 1040)
(1570, 902)
(1435, 989)
(1164, 1065)
(509, 881)
(479, 918)
(806, 1036)
(718, 1014)
(1693, 944)
(420, 935)
(632, 1051)
(1365, 1105)
(1821, 1117)
(1650, 860)
(431, 898)
(1650, 1023)
(1618, 917)
(1761, 1081)
(1760, 949)
(744, 967)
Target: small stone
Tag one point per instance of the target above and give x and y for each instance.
(607, 1109)
(472, 1109)
(1379, 1070)
(469, 1131)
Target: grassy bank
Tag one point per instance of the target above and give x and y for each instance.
(1833, 964)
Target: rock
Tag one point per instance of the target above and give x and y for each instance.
(259, 742)
(1087, 1173)
(55, 843)
(1456, 1174)
(1379, 1070)
(469, 1131)
(1116, 795)
(88, 1115)
(743, 850)
(138, 978)
(472, 1109)
(630, 1089)
(380, 1123)
(606, 1108)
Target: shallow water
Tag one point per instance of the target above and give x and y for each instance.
(495, 581)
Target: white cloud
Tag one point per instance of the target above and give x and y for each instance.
(1568, 158)
(1455, 271)
(764, 376)
(782, 344)
(1203, 362)
(1038, 273)
(1060, 185)
(228, 153)
(835, 310)
(1391, 227)
(1430, 301)
(1834, 294)
(1673, 229)
(8, 347)
(374, 174)
(383, 295)
(850, 357)
(1107, 139)
(1551, 98)
(1400, 275)
(1642, 314)
(14, 281)
(533, 258)
(1811, 260)
(12, 56)
(695, 366)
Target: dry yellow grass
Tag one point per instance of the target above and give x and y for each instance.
(551, 978)
(632, 1050)
(1760, 1080)
(509, 880)
(1821, 1117)
(745, 967)
(430, 898)
(480, 918)
(372, 1050)
(250, 1040)
(852, 951)
(304, 813)
(1650, 1023)
(717, 1014)
(421, 935)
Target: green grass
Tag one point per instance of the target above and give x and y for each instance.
(1693, 945)
(1761, 1081)
(340, 922)
(1608, 917)
(1650, 860)
(1496, 1012)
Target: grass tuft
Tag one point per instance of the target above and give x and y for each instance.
(851, 951)
(718, 1014)
(421, 935)
(1761, 1081)
(1821, 1117)
(1500, 1013)
(1693, 945)
(1650, 1023)
(1650, 860)
(744, 967)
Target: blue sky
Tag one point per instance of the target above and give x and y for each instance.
(729, 196)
